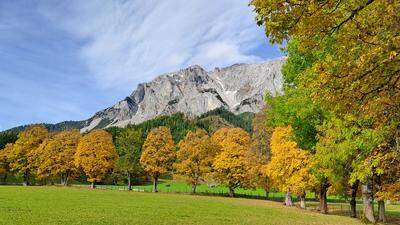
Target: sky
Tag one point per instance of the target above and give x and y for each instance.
(66, 60)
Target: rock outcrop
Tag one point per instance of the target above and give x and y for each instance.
(195, 91)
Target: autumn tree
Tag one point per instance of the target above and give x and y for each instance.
(387, 176)
(96, 155)
(28, 141)
(296, 108)
(364, 59)
(195, 157)
(230, 165)
(55, 156)
(256, 175)
(259, 153)
(158, 153)
(289, 168)
(128, 144)
(4, 160)
(359, 73)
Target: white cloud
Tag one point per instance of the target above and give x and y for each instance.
(126, 42)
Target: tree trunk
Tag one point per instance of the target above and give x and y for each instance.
(368, 201)
(5, 178)
(155, 179)
(194, 186)
(381, 211)
(266, 193)
(381, 203)
(129, 182)
(93, 186)
(353, 202)
(323, 202)
(26, 179)
(303, 201)
(64, 179)
(231, 192)
(288, 199)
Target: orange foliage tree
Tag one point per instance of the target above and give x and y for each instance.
(20, 155)
(96, 155)
(56, 156)
(158, 153)
(195, 157)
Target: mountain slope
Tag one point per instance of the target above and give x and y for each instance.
(194, 91)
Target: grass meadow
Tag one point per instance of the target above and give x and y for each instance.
(70, 205)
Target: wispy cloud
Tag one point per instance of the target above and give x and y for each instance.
(126, 42)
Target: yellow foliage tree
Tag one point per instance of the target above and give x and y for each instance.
(230, 164)
(4, 161)
(96, 155)
(20, 155)
(158, 153)
(56, 156)
(289, 168)
(195, 157)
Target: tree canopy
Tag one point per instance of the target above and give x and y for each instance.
(230, 164)
(195, 157)
(96, 155)
(158, 153)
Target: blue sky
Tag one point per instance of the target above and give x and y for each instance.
(65, 60)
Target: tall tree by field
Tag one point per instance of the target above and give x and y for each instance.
(259, 153)
(195, 157)
(298, 110)
(256, 175)
(128, 143)
(56, 156)
(359, 73)
(28, 140)
(334, 157)
(289, 168)
(158, 153)
(230, 164)
(96, 155)
(387, 177)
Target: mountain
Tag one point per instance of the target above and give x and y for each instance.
(65, 125)
(194, 91)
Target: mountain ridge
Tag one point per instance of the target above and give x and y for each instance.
(194, 91)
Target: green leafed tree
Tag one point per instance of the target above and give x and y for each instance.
(128, 145)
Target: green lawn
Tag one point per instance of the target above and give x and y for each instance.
(58, 205)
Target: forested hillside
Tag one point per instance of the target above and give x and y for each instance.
(180, 125)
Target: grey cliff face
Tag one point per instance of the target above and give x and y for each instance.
(194, 91)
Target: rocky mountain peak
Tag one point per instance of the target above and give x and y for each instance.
(194, 91)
